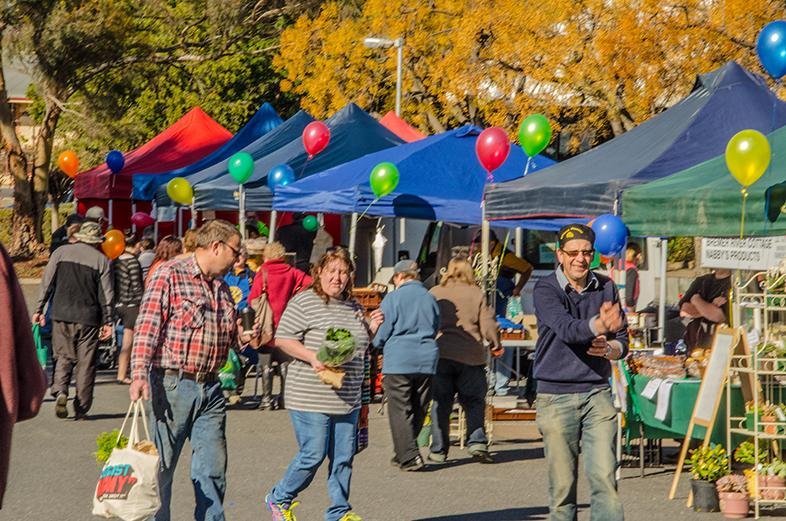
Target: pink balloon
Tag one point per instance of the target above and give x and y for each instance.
(142, 220)
(316, 137)
(492, 148)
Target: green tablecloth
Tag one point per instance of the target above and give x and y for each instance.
(682, 399)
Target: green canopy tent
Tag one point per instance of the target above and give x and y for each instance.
(705, 201)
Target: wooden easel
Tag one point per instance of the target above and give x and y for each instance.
(725, 343)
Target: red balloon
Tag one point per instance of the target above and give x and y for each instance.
(492, 148)
(142, 220)
(316, 137)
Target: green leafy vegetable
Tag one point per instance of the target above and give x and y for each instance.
(338, 348)
(105, 442)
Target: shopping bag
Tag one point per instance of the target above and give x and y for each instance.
(128, 485)
(229, 374)
(40, 348)
(264, 315)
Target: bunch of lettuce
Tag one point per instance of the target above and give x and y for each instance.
(338, 347)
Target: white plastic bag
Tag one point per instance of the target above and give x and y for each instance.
(128, 485)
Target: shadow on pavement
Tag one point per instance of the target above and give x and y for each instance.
(509, 514)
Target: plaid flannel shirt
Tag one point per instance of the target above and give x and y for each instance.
(186, 321)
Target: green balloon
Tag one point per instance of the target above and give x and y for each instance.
(534, 134)
(310, 223)
(241, 166)
(384, 179)
(263, 229)
(595, 261)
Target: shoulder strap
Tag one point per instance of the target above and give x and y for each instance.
(264, 280)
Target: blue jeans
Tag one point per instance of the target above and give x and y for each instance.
(469, 382)
(183, 409)
(503, 368)
(319, 435)
(589, 419)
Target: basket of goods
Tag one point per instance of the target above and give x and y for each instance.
(337, 349)
(696, 363)
(661, 366)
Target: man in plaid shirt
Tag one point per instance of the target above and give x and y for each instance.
(186, 326)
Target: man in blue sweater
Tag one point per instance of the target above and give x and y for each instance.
(410, 359)
(581, 328)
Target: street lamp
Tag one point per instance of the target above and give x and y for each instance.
(373, 42)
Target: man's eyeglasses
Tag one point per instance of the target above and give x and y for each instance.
(583, 253)
(235, 252)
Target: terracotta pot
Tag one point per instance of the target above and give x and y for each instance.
(772, 487)
(734, 505)
(769, 429)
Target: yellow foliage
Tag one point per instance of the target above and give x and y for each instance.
(593, 67)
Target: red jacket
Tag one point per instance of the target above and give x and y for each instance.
(22, 381)
(283, 282)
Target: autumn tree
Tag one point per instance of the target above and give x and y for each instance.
(115, 72)
(595, 68)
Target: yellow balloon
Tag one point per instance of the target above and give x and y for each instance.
(179, 190)
(748, 156)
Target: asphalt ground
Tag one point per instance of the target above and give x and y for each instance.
(53, 472)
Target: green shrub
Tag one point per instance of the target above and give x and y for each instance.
(6, 215)
(709, 463)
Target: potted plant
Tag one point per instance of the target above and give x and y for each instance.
(707, 465)
(767, 417)
(746, 454)
(772, 482)
(733, 494)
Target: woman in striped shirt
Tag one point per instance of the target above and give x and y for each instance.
(324, 419)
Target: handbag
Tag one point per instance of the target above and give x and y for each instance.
(264, 315)
(128, 485)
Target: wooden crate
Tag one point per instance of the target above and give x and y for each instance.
(370, 298)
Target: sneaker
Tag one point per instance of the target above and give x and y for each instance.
(436, 457)
(350, 516)
(482, 456)
(413, 465)
(394, 462)
(61, 411)
(279, 511)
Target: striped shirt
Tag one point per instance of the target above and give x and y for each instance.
(186, 321)
(307, 319)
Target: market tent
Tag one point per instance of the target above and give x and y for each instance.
(288, 131)
(401, 128)
(189, 139)
(265, 120)
(694, 130)
(440, 180)
(705, 200)
(353, 133)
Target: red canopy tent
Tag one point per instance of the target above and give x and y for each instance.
(401, 128)
(186, 141)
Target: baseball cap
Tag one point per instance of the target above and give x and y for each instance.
(575, 231)
(405, 266)
(95, 213)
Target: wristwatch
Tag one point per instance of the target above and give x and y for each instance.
(609, 350)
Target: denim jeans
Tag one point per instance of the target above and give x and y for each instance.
(589, 419)
(183, 409)
(469, 381)
(503, 368)
(319, 435)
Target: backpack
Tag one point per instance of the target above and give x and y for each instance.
(264, 315)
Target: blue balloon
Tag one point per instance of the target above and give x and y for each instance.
(610, 235)
(771, 48)
(280, 175)
(115, 161)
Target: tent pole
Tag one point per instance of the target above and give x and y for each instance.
(353, 230)
(664, 252)
(154, 212)
(111, 207)
(272, 234)
(484, 251)
(519, 236)
(133, 211)
(402, 232)
(193, 215)
(241, 212)
(179, 221)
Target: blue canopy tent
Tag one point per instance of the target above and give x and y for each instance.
(440, 180)
(692, 131)
(353, 133)
(287, 131)
(266, 119)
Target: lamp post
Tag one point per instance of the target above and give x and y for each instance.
(373, 42)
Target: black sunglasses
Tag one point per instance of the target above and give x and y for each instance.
(235, 252)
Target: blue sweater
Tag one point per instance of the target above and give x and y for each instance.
(408, 332)
(562, 364)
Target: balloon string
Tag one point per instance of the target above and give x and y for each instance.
(744, 193)
(355, 224)
(526, 168)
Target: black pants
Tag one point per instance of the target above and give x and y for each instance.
(408, 399)
(469, 382)
(75, 349)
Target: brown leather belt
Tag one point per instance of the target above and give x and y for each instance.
(198, 377)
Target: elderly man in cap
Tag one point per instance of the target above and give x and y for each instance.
(79, 283)
(581, 329)
(407, 338)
